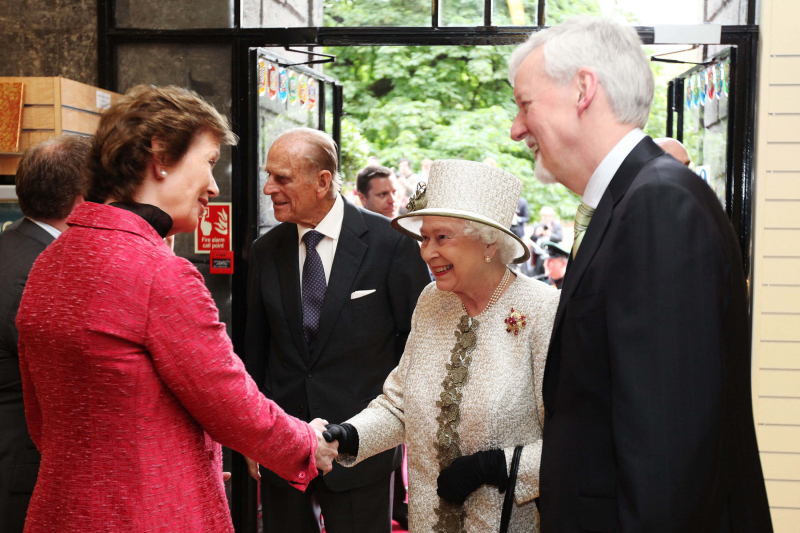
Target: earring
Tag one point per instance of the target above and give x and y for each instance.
(488, 259)
(163, 173)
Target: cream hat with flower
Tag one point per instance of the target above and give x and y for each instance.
(470, 191)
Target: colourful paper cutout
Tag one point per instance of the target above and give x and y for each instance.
(283, 85)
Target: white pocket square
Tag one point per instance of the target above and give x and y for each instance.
(361, 294)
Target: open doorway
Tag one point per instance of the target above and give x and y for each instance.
(209, 50)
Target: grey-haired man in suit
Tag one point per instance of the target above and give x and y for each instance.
(49, 184)
(648, 409)
(330, 298)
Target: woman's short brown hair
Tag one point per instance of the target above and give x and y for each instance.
(122, 146)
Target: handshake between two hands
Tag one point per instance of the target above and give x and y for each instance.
(455, 483)
(328, 440)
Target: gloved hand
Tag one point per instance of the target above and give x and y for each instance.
(466, 474)
(347, 436)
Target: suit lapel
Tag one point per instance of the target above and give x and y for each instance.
(350, 251)
(595, 233)
(287, 260)
(35, 232)
(576, 268)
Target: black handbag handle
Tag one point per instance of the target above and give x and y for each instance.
(508, 502)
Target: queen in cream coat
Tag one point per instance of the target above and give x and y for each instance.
(470, 379)
(501, 405)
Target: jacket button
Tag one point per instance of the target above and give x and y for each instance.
(308, 375)
(301, 475)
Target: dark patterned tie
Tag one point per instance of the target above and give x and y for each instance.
(314, 286)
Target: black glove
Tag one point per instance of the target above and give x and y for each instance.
(468, 473)
(347, 436)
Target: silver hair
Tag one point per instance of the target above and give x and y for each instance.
(506, 244)
(613, 50)
(322, 154)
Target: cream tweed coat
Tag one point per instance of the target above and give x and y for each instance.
(501, 405)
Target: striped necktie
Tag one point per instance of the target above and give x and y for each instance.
(582, 219)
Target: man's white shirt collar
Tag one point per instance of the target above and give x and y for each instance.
(605, 171)
(47, 227)
(331, 225)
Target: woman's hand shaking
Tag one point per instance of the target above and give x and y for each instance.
(324, 456)
(326, 450)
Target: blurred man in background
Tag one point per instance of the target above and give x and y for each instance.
(555, 264)
(675, 148)
(49, 185)
(407, 177)
(548, 229)
(425, 168)
(378, 190)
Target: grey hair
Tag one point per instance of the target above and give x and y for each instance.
(506, 245)
(613, 50)
(321, 155)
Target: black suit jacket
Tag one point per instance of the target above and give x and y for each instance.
(20, 245)
(359, 341)
(648, 412)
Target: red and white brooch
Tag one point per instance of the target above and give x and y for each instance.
(515, 322)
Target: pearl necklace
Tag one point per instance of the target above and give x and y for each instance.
(495, 296)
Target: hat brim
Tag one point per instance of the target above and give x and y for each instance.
(405, 224)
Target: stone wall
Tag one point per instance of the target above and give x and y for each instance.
(49, 38)
(174, 14)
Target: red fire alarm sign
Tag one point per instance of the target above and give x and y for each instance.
(221, 262)
(214, 230)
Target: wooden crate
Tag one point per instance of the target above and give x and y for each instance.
(54, 106)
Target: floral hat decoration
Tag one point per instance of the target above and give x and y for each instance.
(470, 191)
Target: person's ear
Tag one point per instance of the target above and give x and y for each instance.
(362, 197)
(490, 250)
(323, 181)
(157, 147)
(587, 83)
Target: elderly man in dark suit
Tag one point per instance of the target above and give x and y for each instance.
(331, 294)
(49, 185)
(648, 410)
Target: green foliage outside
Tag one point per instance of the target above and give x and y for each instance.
(446, 102)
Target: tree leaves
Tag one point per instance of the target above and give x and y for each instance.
(442, 102)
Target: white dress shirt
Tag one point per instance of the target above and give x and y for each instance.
(47, 227)
(605, 171)
(330, 227)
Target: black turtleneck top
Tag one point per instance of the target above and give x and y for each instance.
(153, 215)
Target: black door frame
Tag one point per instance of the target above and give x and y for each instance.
(742, 99)
(676, 106)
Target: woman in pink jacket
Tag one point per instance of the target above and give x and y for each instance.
(129, 378)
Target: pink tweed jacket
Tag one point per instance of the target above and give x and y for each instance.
(130, 382)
